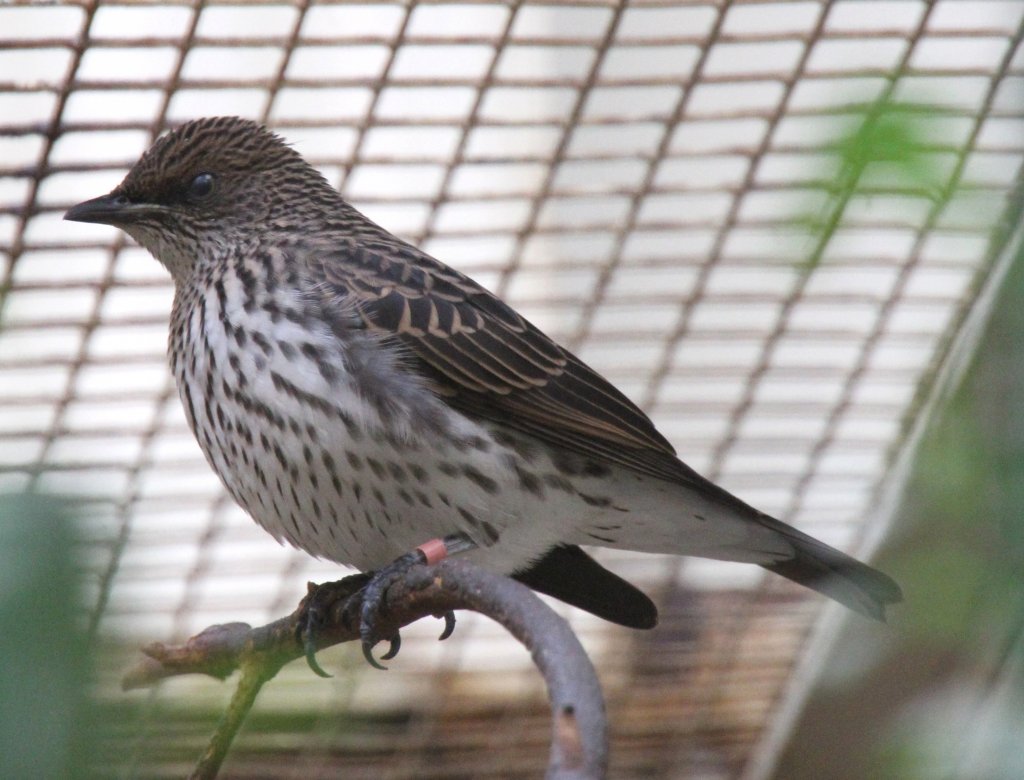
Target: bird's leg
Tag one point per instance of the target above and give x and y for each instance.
(427, 554)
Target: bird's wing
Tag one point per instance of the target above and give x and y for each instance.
(488, 361)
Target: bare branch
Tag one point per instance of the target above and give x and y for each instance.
(579, 742)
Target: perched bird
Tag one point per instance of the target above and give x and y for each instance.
(359, 398)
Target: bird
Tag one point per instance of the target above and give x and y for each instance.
(360, 399)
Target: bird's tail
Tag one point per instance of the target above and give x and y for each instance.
(834, 574)
(569, 574)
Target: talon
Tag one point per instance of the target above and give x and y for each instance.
(449, 625)
(368, 642)
(395, 643)
(308, 634)
(309, 649)
(318, 600)
(368, 655)
(374, 604)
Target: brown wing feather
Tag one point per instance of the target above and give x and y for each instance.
(492, 363)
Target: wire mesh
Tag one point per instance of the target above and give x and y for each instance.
(634, 178)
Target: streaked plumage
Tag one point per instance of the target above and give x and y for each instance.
(359, 397)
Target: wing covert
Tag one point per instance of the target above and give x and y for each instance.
(490, 362)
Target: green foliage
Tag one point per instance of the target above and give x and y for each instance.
(886, 135)
(44, 719)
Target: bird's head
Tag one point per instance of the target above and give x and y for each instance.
(206, 185)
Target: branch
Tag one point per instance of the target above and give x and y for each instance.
(579, 743)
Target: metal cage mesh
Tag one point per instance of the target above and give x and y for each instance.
(634, 178)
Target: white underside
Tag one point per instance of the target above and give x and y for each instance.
(390, 515)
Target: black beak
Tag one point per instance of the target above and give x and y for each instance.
(111, 209)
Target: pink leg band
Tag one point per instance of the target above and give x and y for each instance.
(434, 551)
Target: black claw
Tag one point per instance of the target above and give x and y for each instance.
(309, 647)
(368, 655)
(318, 602)
(395, 643)
(308, 634)
(373, 596)
(449, 626)
(373, 605)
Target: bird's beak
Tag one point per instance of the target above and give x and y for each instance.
(111, 209)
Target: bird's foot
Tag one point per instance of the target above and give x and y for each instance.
(323, 598)
(375, 604)
(427, 554)
(320, 600)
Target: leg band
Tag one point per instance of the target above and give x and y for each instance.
(434, 551)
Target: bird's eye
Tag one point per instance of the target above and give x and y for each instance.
(201, 186)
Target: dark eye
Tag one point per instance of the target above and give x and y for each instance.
(201, 186)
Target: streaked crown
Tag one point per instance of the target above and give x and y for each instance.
(213, 183)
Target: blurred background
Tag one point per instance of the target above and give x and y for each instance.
(789, 230)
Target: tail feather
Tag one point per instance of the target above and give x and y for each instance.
(572, 576)
(819, 567)
(569, 574)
